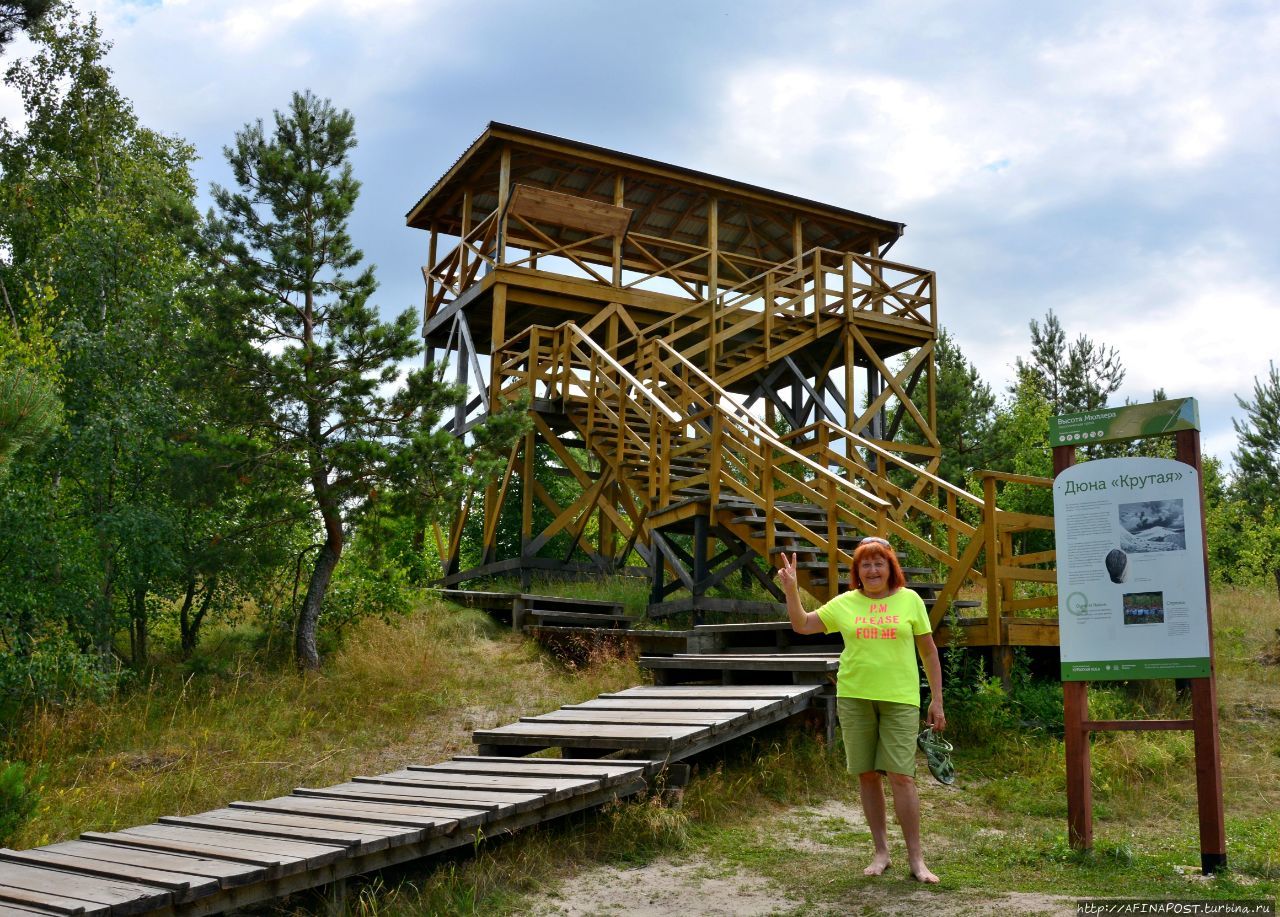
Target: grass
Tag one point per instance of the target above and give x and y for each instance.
(238, 726)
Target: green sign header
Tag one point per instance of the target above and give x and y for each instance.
(1136, 669)
(1132, 421)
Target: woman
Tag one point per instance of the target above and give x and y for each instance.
(884, 625)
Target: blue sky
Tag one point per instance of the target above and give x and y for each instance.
(1114, 162)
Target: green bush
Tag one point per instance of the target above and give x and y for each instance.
(19, 794)
(1039, 705)
(55, 672)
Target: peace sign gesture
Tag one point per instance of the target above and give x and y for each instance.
(787, 573)
(802, 622)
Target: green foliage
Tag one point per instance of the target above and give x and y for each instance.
(29, 412)
(94, 211)
(1243, 541)
(1258, 457)
(966, 415)
(1076, 377)
(313, 375)
(18, 15)
(19, 795)
(52, 671)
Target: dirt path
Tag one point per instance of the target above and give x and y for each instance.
(697, 886)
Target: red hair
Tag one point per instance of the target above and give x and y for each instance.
(878, 547)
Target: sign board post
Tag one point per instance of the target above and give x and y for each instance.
(1133, 594)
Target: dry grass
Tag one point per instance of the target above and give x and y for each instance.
(393, 694)
(414, 692)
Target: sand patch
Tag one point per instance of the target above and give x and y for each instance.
(663, 888)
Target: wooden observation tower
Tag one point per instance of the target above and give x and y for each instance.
(715, 372)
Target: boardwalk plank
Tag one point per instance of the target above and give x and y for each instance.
(609, 770)
(637, 717)
(372, 835)
(276, 865)
(227, 873)
(120, 896)
(435, 821)
(49, 902)
(355, 842)
(314, 855)
(184, 888)
(743, 663)
(715, 691)
(499, 804)
(657, 738)
(13, 910)
(680, 704)
(549, 787)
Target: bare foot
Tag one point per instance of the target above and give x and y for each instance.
(879, 863)
(922, 873)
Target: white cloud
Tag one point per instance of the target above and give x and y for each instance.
(1121, 99)
(209, 66)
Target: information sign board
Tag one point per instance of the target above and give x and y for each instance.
(1131, 579)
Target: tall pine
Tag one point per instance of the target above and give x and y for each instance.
(312, 372)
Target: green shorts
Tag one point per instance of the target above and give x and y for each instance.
(879, 735)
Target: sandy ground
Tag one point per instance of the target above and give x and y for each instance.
(692, 887)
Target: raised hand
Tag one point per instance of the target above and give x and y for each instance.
(787, 572)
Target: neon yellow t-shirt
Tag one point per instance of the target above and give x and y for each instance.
(879, 658)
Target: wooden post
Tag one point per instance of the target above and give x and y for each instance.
(430, 296)
(498, 337)
(850, 407)
(991, 549)
(463, 378)
(619, 200)
(699, 563)
(769, 298)
(713, 283)
(504, 195)
(657, 568)
(1204, 702)
(462, 242)
(1075, 700)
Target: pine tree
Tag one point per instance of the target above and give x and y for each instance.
(311, 370)
(1080, 376)
(1258, 457)
(965, 424)
(20, 15)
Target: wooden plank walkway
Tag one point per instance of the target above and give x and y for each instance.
(751, 666)
(249, 852)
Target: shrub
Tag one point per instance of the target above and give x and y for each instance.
(19, 794)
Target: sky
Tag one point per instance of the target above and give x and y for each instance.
(1113, 162)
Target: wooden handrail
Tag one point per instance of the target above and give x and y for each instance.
(762, 429)
(1009, 477)
(940, 483)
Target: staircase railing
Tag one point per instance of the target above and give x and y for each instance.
(669, 414)
(822, 287)
(971, 538)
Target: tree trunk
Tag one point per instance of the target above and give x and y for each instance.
(304, 644)
(1276, 571)
(185, 633)
(191, 628)
(138, 632)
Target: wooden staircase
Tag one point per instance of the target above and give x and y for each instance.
(656, 411)
(678, 438)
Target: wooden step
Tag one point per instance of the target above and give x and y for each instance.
(553, 616)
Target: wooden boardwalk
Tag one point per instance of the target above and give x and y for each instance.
(250, 852)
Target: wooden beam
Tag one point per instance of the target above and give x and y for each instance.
(568, 210)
